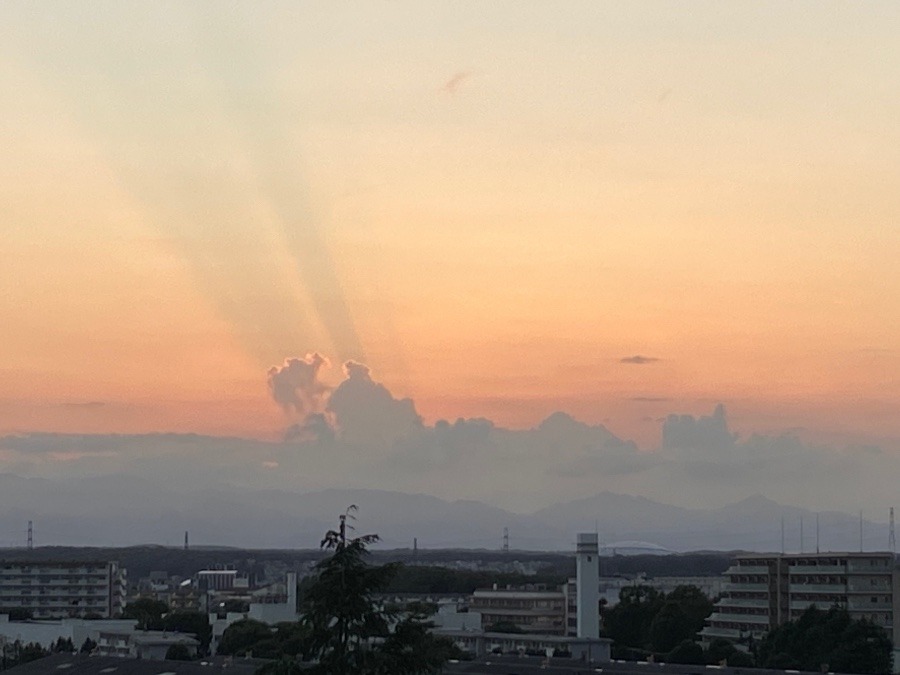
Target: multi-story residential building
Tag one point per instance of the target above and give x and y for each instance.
(540, 610)
(51, 590)
(766, 590)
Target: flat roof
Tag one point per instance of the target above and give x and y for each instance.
(823, 554)
(66, 664)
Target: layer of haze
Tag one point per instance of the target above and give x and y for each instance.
(618, 210)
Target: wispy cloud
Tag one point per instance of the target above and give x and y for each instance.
(639, 359)
(650, 399)
(454, 83)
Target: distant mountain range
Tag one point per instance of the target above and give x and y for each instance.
(121, 510)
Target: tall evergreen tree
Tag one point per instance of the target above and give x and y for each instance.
(344, 629)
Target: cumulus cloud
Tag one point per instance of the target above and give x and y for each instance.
(366, 413)
(705, 433)
(296, 386)
(638, 359)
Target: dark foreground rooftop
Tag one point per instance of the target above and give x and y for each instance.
(66, 664)
(515, 665)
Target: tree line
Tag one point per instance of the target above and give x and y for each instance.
(649, 624)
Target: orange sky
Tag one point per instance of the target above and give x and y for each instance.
(490, 206)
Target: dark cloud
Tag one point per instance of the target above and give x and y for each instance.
(296, 385)
(315, 428)
(639, 360)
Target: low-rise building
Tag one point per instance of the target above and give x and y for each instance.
(537, 610)
(143, 644)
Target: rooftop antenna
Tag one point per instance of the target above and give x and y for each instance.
(892, 539)
(817, 533)
(30, 544)
(860, 532)
(506, 540)
(782, 535)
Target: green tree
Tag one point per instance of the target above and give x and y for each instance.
(31, 652)
(87, 646)
(178, 652)
(628, 622)
(345, 631)
(688, 652)
(827, 639)
(147, 612)
(719, 650)
(412, 648)
(243, 637)
(192, 623)
(694, 604)
(669, 627)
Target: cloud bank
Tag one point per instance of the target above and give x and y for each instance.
(358, 434)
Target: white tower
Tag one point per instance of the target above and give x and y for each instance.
(587, 565)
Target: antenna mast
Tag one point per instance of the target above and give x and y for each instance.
(860, 532)
(782, 535)
(817, 532)
(506, 540)
(892, 539)
(31, 532)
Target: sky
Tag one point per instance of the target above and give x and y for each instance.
(503, 210)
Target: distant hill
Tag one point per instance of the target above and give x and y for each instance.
(125, 510)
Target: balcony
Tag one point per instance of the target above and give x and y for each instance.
(859, 605)
(817, 569)
(752, 588)
(744, 602)
(762, 619)
(747, 569)
(818, 588)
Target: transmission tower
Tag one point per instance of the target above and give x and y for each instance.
(30, 535)
(506, 540)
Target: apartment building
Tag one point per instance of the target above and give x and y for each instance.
(767, 590)
(53, 590)
(539, 611)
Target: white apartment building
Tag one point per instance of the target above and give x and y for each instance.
(53, 590)
(766, 590)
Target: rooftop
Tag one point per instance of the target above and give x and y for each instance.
(65, 664)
